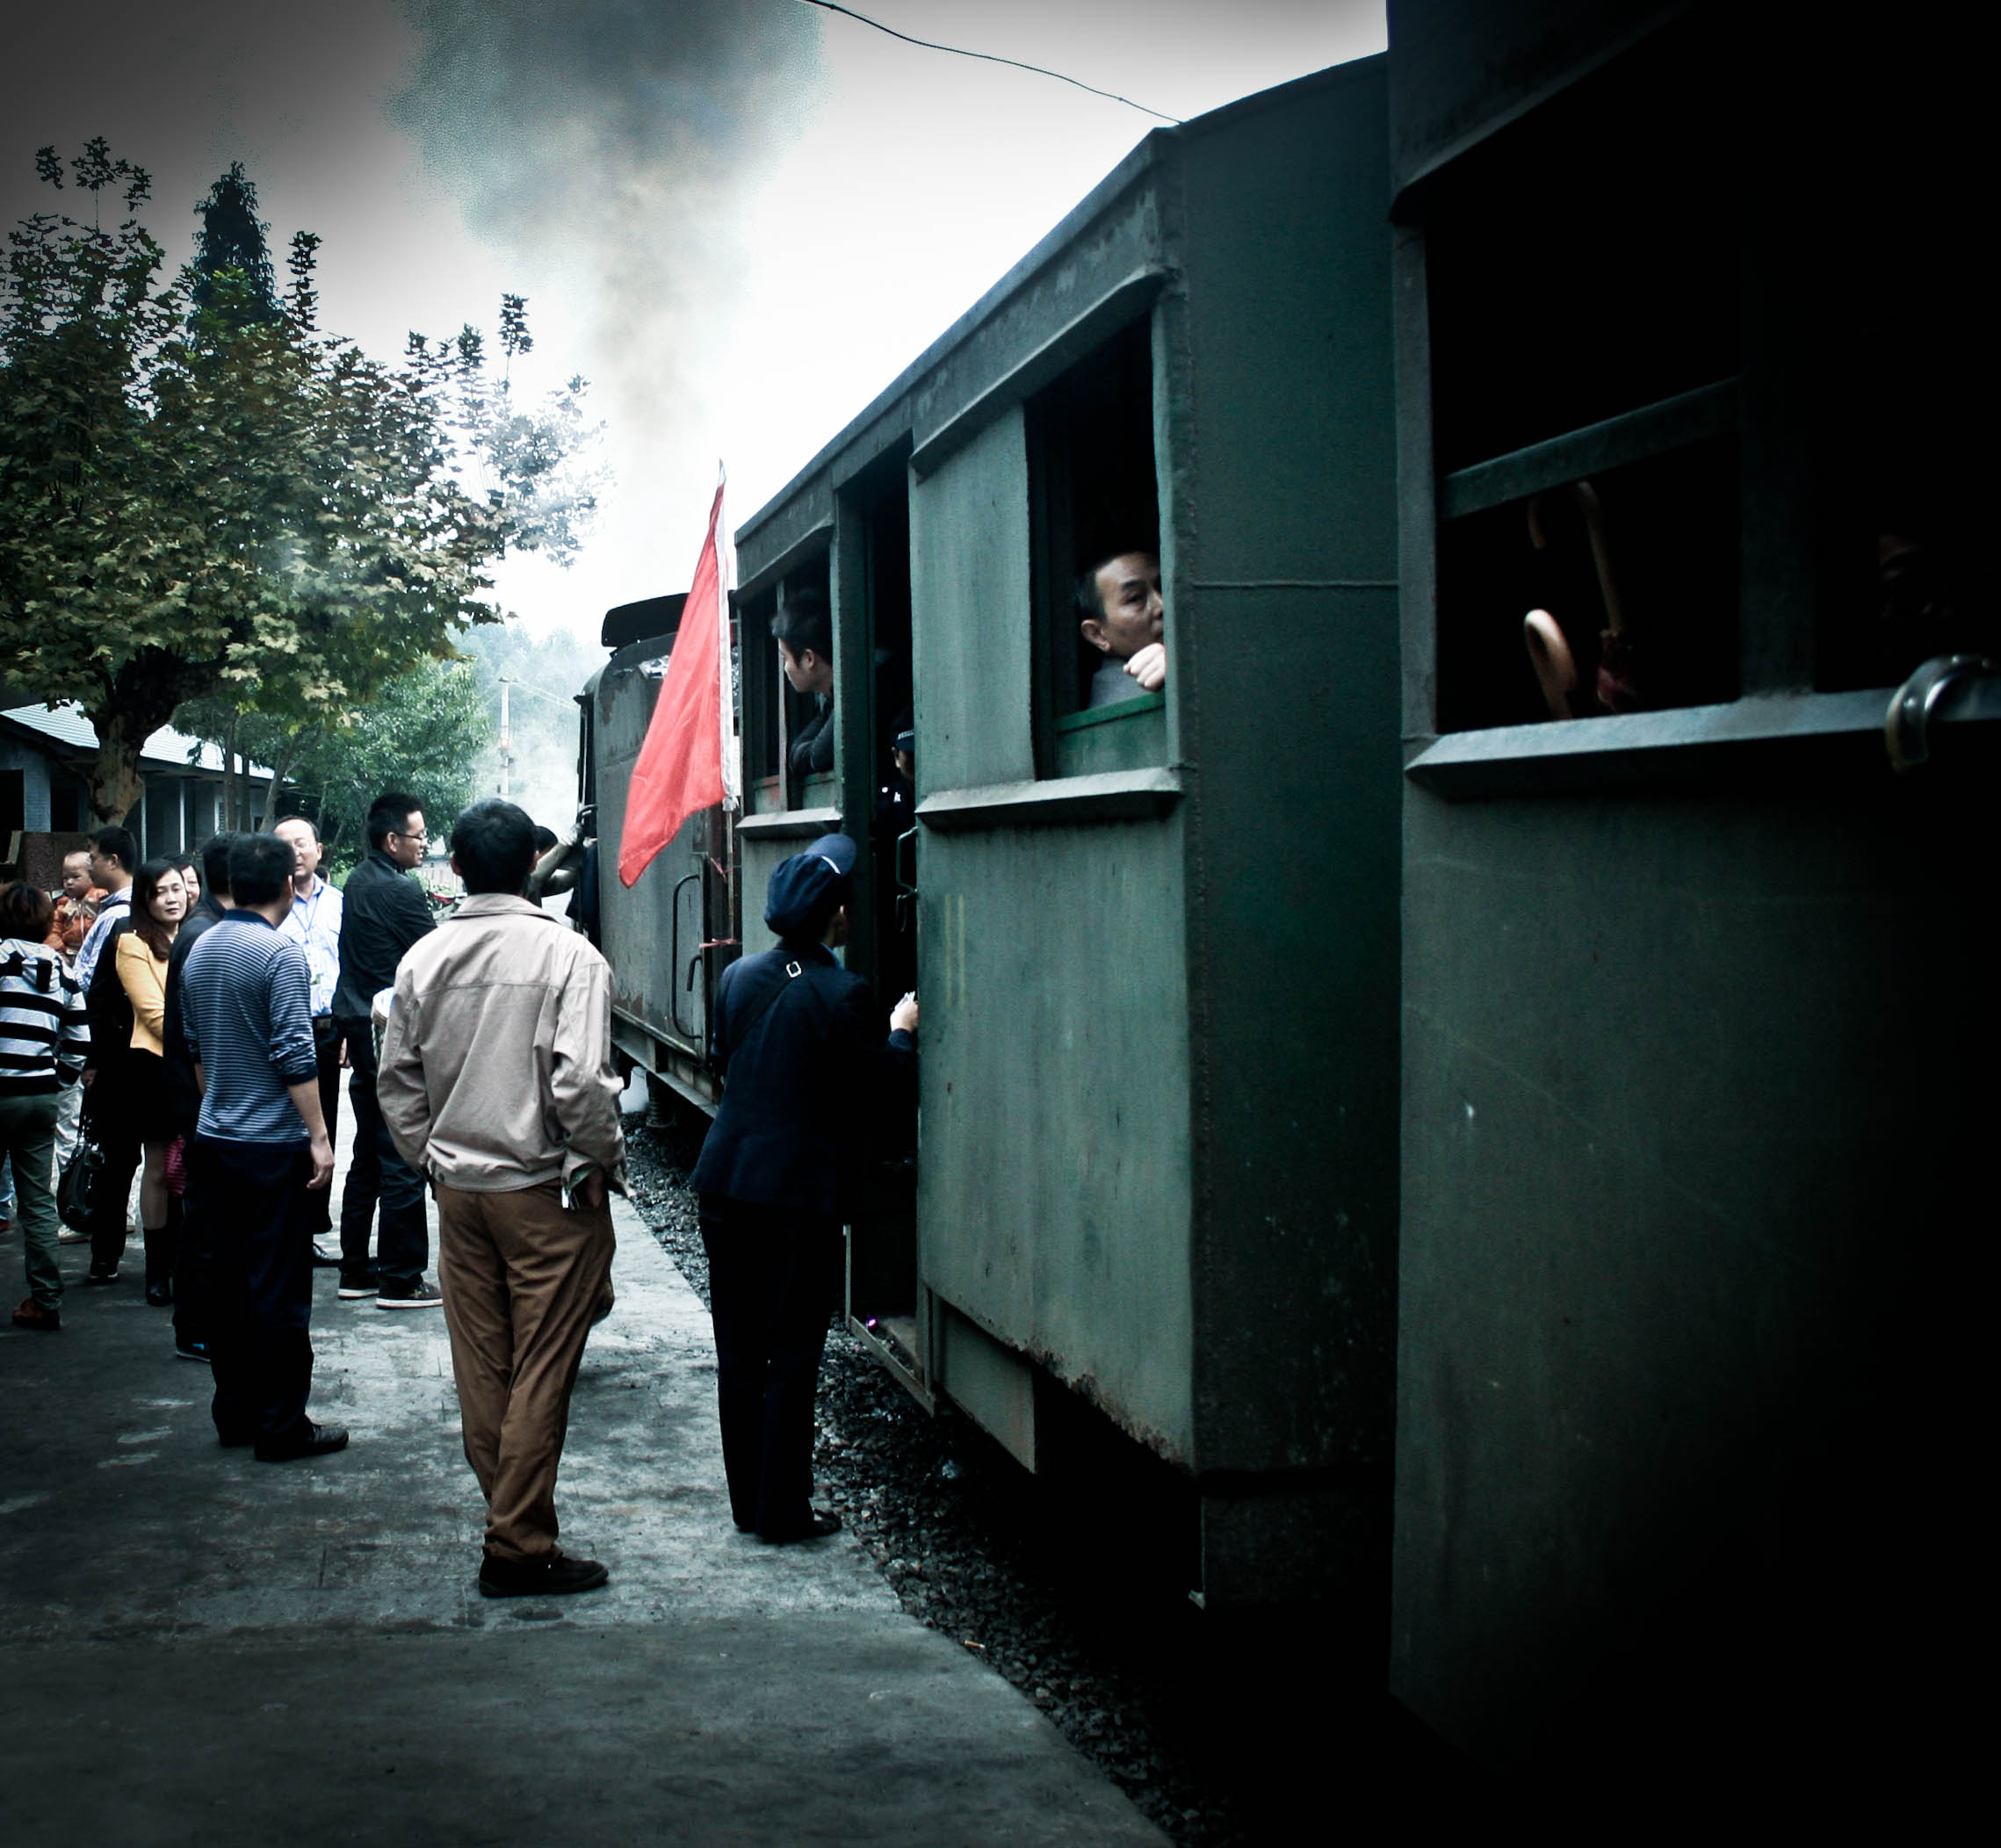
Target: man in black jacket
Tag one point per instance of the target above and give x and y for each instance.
(805, 1075)
(383, 912)
(192, 1282)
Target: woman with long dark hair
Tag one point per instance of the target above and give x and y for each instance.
(159, 902)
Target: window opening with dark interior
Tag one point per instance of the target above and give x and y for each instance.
(885, 575)
(760, 683)
(1881, 317)
(1585, 301)
(803, 630)
(1096, 532)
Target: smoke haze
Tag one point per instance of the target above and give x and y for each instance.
(607, 146)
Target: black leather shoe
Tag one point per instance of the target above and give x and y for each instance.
(320, 1441)
(538, 1577)
(159, 1295)
(818, 1529)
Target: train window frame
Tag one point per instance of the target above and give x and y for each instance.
(1791, 698)
(761, 704)
(1070, 738)
(772, 712)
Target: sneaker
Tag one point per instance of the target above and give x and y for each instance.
(70, 1235)
(355, 1285)
(191, 1350)
(419, 1294)
(34, 1315)
(102, 1273)
(539, 1577)
(317, 1441)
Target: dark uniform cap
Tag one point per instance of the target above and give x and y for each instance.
(805, 889)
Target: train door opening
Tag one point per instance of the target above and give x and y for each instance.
(879, 748)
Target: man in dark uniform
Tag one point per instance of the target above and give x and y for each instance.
(382, 914)
(806, 1075)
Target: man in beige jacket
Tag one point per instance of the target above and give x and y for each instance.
(497, 1081)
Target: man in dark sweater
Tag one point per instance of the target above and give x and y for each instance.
(383, 912)
(260, 1149)
(806, 1075)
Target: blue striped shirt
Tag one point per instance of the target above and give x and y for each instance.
(246, 1012)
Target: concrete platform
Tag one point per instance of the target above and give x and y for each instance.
(195, 1647)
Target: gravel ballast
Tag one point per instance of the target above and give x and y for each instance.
(1085, 1608)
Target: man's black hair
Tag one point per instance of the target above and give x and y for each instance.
(215, 863)
(1085, 597)
(113, 842)
(494, 843)
(805, 622)
(260, 868)
(388, 813)
(309, 820)
(545, 839)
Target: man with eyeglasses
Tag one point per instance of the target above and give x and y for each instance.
(383, 912)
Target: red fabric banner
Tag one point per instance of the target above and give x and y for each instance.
(680, 766)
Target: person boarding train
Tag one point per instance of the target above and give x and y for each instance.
(804, 1072)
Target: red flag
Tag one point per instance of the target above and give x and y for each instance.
(681, 768)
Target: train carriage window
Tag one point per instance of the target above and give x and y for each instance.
(777, 716)
(1093, 498)
(1699, 333)
(759, 684)
(1585, 335)
(809, 714)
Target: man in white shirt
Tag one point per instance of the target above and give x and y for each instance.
(113, 856)
(313, 923)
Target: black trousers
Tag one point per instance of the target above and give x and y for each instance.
(110, 1113)
(774, 1282)
(249, 1199)
(377, 1174)
(326, 1048)
(194, 1261)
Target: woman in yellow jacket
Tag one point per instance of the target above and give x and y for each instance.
(159, 902)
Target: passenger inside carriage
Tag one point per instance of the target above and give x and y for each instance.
(1121, 614)
(803, 631)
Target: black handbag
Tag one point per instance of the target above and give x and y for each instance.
(82, 1181)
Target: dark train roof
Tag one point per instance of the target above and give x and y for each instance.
(635, 622)
(641, 621)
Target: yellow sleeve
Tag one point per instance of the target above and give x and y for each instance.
(145, 981)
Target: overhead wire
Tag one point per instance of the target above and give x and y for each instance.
(959, 51)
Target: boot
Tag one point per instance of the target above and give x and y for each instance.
(161, 1241)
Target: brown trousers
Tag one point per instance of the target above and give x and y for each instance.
(522, 1278)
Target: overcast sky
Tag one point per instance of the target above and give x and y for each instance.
(739, 219)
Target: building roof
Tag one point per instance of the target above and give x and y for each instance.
(166, 749)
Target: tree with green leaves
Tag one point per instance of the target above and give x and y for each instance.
(233, 240)
(200, 501)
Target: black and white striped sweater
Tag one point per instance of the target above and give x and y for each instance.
(44, 1036)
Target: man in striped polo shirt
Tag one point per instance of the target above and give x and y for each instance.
(42, 1043)
(260, 1152)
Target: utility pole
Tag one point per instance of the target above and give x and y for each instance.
(506, 738)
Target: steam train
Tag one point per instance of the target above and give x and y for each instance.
(1471, 1076)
